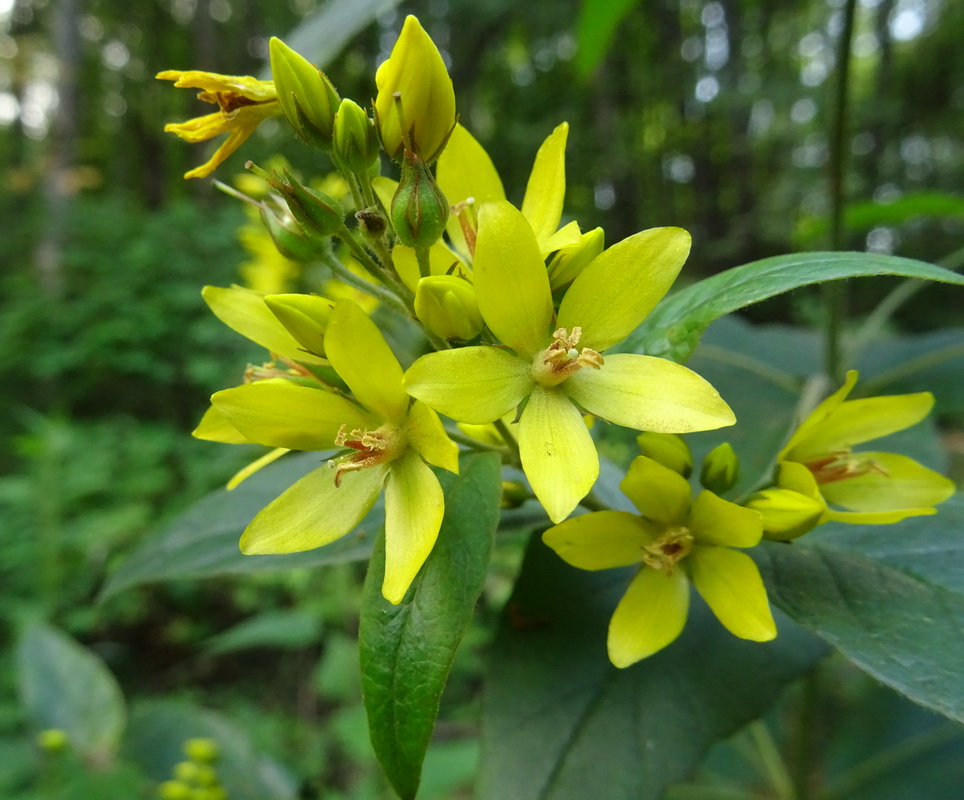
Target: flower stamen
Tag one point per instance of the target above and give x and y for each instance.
(669, 549)
(841, 465)
(373, 447)
(562, 358)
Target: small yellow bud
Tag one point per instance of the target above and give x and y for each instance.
(721, 469)
(53, 740)
(206, 775)
(205, 751)
(786, 514)
(306, 318)
(514, 494)
(569, 261)
(419, 209)
(307, 98)
(174, 790)
(355, 141)
(186, 771)
(667, 449)
(446, 305)
(415, 75)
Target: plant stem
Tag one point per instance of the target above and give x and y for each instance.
(801, 767)
(834, 291)
(382, 294)
(475, 444)
(771, 761)
(593, 502)
(506, 434)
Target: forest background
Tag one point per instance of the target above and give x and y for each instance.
(713, 116)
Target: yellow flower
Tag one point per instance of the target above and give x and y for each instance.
(675, 541)
(244, 103)
(818, 468)
(556, 371)
(387, 441)
(416, 73)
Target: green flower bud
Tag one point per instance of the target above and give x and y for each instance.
(419, 209)
(308, 99)
(205, 751)
(174, 790)
(355, 140)
(721, 469)
(289, 238)
(316, 212)
(667, 449)
(786, 514)
(567, 262)
(186, 771)
(210, 793)
(206, 776)
(305, 316)
(53, 740)
(446, 305)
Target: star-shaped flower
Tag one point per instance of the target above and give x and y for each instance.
(554, 371)
(675, 541)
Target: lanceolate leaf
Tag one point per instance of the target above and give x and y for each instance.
(675, 326)
(559, 721)
(407, 650)
(904, 631)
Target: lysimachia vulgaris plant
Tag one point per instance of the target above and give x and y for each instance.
(463, 355)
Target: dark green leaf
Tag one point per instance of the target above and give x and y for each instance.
(65, 686)
(291, 628)
(203, 541)
(155, 742)
(598, 21)
(676, 324)
(560, 722)
(406, 651)
(906, 633)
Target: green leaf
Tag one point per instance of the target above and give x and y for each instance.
(676, 324)
(65, 686)
(287, 629)
(406, 651)
(597, 25)
(155, 742)
(906, 633)
(560, 722)
(203, 541)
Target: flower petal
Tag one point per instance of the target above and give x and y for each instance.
(470, 384)
(601, 540)
(903, 484)
(858, 421)
(214, 427)
(731, 585)
(511, 282)
(649, 394)
(279, 413)
(714, 520)
(820, 413)
(612, 295)
(877, 517)
(429, 439)
(546, 189)
(659, 493)
(568, 235)
(650, 615)
(313, 511)
(361, 356)
(244, 473)
(244, 311)
(414, 506)
(558, 454)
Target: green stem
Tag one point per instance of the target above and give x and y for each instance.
(424, 264)
(802, 765)
(475, 444)
(506, 434)
(772, 763)
(382, 294)
(834, 291)
(593, 502)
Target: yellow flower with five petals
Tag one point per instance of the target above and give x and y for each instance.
(553, 372)
(389, 442)
(675, 541)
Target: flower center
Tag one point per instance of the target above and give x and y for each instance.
(841, 465)
(560, 359)
(669, 549)
(372, 448)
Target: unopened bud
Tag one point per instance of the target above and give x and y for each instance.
(419, 209)
(446, 305)
(316, 212)
(53, 740)
(205, 751)
(308, 99)
(786, 514)
(289, 238)
(667, 449)
(305, 316)
(514, 494)
(355, 140)
(721, 469)
(174, 790)
(186, 771)
(569, 261)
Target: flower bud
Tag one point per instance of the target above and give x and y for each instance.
(186, 771)
(305, 316)
(514, 494)
(289, 238)
(419, 209)
(414, 74)
(667, 449)
(721, 469)
(786, 514)
(355, 141)
(567, 262)
(174, 790)
(307, 98)
(316, 212)
(53, 740)
(446, 305)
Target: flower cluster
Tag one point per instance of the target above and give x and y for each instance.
(520, 316)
